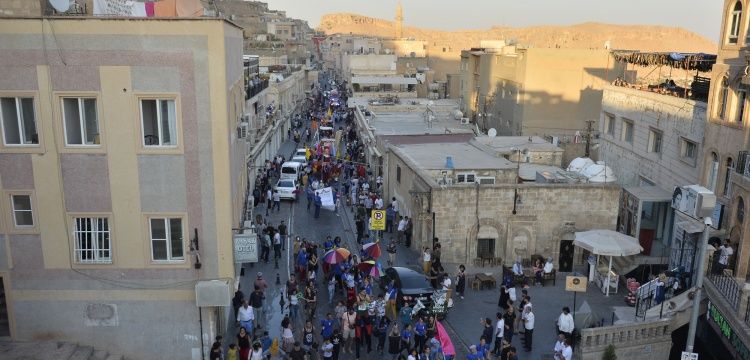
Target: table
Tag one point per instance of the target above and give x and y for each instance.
(486, 280)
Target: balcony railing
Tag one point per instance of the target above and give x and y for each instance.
(726, 284)
(255, 87)
(747, 314)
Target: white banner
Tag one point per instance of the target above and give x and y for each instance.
(326, 198)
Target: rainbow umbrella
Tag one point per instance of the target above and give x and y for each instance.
(372, 250)
(377, 271)
(336, 256)
(366, 266)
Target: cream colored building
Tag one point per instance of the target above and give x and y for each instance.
(532, 91)
(725, 169)
(120, 158)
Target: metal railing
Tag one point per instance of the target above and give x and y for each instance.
(726, 284)
(645, 293)
(255, 88)
(747, 313)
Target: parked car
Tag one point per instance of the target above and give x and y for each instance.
(291, 170)
(413, 286)
(300, 159)
(287, 189)
(300, 152)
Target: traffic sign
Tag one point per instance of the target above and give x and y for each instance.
(689, 356)
(378, 220)
(575, 283)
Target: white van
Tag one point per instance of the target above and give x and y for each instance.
(291, 170)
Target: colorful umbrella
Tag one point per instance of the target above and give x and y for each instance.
(377, 271)
(372, 250)
(366, 266)
(445, 340)
(336, 256)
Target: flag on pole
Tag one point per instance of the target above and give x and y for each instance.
(445, 340)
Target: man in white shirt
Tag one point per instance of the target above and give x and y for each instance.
(528, 325)
(245, 317)
(394, 203)
(567, 353)
(499, 334)
(401, 227)
(565, 324)
(379, 203)
(725, 252)
(447, 287)
(517, 268)
(559, 346)
(548, 266)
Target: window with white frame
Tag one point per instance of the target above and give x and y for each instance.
(18, 121)
(654, 141)
(23, 214)
(465, 178)
(159, 122)
(627, 131)
(609, 124)
(80, 121)
(735, 23)
(92, 240)
(166, 239)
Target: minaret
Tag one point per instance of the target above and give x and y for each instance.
(399, 21)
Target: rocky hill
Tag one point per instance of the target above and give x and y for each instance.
(586, 35)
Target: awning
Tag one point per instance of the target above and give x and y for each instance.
(650, 193)
(607, 243)
(393, 80)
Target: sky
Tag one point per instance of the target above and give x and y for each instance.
(700, 16)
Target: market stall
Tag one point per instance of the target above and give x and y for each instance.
(606, 243)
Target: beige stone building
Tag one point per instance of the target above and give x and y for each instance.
(122, 174)
(530, 91)
(468, 203)
(725, 170)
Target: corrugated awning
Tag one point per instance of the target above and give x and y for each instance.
(393, 80)
(650, 193)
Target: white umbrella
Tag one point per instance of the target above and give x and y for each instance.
(608, 243)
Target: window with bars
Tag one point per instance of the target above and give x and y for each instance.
(485, 248)
(92, 240)
(166, 239)
(654, 141)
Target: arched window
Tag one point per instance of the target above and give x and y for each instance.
(735, 21)
(723, 98)
(728, 177)
(713, 172)
(739, 112)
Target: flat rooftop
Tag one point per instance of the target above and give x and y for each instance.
(464, 155)
(414, 123)
(508, 144)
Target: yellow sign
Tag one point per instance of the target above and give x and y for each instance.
(576, 283)
(378, 220)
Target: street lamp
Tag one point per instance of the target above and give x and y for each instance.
(518, 151)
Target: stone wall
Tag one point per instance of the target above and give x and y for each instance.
(544, 214)
(643, 341)
(21, 7)
(676, 119)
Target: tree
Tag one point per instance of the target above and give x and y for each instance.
(609, 353)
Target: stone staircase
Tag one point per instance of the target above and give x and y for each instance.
(52, 350)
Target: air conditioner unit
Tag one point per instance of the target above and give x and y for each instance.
(464, 121)
(694, 200)
(243, 130)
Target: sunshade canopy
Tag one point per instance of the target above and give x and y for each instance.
(607, 243)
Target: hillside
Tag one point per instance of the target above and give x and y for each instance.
(586, 35)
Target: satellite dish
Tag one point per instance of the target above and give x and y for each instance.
(492, 132)
(60, 5)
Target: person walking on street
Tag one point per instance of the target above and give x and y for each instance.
(276, 245)
(499, 334)
(348, 322)
(400, 229)
(394, 341)
(426, 260)
(565, 324)
(283, 232)
(407, 232)
(318, 204)
(245, 317)
(508, 319)
(269, 200)
(256, 301)
(276, 201)
(310, 194)
(391, 249)
(243, 342)
(528, 325)
(461, 281)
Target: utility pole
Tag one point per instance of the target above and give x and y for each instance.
(589, 130)
(701, 270)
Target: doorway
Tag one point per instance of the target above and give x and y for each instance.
(4, 319)
(566, 256)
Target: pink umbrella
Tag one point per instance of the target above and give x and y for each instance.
(372, 250)
(445, 340)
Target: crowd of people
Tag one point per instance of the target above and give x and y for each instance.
(358, 315)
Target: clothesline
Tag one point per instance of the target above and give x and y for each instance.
(687, 61)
